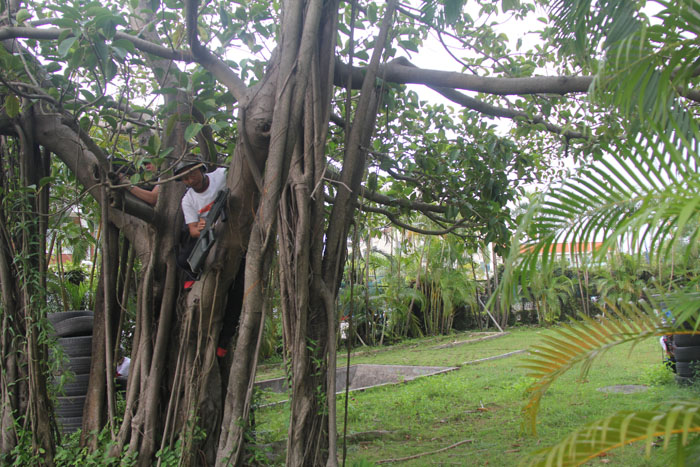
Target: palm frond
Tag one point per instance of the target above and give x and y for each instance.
(647, 74)
(585, 25)
(648, 66)
(622, 428)
(583, 342)
(650, 193)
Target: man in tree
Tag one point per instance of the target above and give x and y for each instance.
(196, 203)
(203, 188)
(144, 194)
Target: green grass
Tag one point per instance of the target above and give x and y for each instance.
(483, 403)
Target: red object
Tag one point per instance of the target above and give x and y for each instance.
(221, 352)
(188, 285)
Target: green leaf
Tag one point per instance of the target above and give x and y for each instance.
(110, 120)
(110, 70)
(372, 182)
(23, 15)
(372, 12)
(453, 10)
(65, 46)
(45, 181)
(153, 145)
(53, 67)
(85, 123)
(124, 44)
(621, 428)
(508, 5)
(191, 130)
(12, 106)
(225, 18)
(101, 48)
(409, 45)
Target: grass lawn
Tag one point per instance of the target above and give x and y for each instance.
(480, 405)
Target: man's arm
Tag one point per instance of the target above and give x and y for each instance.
(149, 197)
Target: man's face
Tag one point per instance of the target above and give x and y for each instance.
(194, 179)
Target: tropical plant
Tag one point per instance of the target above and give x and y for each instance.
(642, 189)
(446, 283)
(624, 279)
(549, 292)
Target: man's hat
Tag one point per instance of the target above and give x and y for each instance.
(188, 160)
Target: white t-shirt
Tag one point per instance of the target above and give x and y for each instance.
(196, 205)
(123, 367)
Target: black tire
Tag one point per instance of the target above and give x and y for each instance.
(78, 365)
(71, 327)
(684, 380)
(686, 340)
(686, 354)
(70, 406)
(70, 424)
(688, 369)
(55, 318)
(76, 346)
(77, 386)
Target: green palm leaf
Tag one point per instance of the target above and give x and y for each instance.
(585, 25)
(622, 428)
(647, 66)
(582, 343)
(649, 194)
(645, 193)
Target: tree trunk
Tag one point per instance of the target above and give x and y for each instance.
(22, 272)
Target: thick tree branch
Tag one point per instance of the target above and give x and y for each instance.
(396, 72)
(481, 106)
(429, 210)
(690, 94)
(494, 111)
(55, 33)
(124, 201)
(204, 57)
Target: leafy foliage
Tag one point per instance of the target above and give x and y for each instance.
(640, 191)
(625, 427)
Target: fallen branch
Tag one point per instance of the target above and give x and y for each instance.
(415, 456)
(505, 355)
(470, 341)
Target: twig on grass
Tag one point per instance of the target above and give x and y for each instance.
(415, 456)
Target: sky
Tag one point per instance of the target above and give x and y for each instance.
(433, 55)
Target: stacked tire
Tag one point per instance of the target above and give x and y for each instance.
(686, 350)
(74, 332)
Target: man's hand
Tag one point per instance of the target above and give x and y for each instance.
(196, 227)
